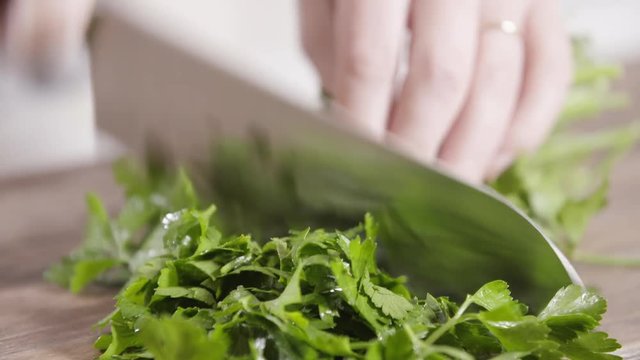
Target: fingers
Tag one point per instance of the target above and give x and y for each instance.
(316, 30)
(440, 67)
(477, 135)
(547, 77)
(45, 35)
(368, 36)
(470, 98)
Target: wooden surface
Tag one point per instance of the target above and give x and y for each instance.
(42, 219)
(616, 232)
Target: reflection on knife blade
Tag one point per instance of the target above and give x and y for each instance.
(299, 168)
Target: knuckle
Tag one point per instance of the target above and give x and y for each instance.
(369, 63)
(499, 73)
(441, 72)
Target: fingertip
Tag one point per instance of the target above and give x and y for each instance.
(316, 37)
(372, 130)
(464, 169)
(502, 162)
(409, 149)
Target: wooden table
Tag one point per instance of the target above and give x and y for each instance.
(615, 232)
(42, 219)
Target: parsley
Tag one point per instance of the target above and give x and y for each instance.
(193, 292)
(566, 182)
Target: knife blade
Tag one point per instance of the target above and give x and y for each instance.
(270, 164)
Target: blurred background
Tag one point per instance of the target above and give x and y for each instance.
(48, 124)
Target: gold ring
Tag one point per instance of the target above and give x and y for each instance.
(507, 27)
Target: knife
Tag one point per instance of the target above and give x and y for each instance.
(271, 164)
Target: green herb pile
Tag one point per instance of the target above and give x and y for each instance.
(566, 182)
(195, 293)
(191, 291)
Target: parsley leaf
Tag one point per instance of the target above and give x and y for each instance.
(565, 182)
(194, 292)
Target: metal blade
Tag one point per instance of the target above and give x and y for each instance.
(270, 165)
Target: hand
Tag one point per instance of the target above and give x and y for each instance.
(43, 36)
(474, 97)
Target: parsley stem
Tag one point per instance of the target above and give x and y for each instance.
(431, 339)
(360, 345)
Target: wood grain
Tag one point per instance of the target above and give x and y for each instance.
(42, 219)
(615, 233)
